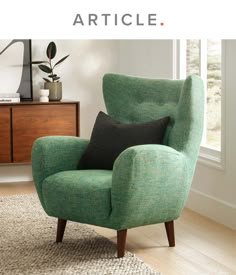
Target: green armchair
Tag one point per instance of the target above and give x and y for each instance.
(149, 183)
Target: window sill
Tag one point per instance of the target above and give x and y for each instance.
(211, 157)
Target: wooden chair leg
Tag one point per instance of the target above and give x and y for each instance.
(170, 233)
(121, 241)
(61, 225)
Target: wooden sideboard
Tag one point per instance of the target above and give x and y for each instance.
(22, 123)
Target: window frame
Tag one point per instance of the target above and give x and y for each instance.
(207, 155)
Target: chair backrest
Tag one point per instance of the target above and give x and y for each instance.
(133, 99)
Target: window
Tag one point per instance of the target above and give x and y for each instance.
(203, 57)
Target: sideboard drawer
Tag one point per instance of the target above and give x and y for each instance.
(21, 124)
(5, 135)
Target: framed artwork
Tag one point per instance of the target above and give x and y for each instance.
(16, 68)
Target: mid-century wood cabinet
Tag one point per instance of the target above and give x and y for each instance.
(22, 123)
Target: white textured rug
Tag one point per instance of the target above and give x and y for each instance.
(27, 244)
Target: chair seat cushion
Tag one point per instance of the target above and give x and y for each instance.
(81, 195)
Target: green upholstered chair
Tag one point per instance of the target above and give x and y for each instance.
(149, 184)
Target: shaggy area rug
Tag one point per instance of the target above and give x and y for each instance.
(27, 244)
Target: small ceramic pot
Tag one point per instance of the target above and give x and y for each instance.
(55, 90)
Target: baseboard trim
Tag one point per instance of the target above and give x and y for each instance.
(213, 208)
(15, 173)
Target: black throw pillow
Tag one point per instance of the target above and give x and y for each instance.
(110, 137)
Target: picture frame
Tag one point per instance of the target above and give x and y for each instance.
(23, 78)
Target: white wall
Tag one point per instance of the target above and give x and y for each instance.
(146, 58)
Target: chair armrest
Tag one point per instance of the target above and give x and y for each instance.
(53, 154)
(149, 185)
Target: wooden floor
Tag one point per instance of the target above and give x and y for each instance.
(202, 246)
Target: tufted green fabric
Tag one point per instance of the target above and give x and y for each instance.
(132, 99)
(149, 183)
